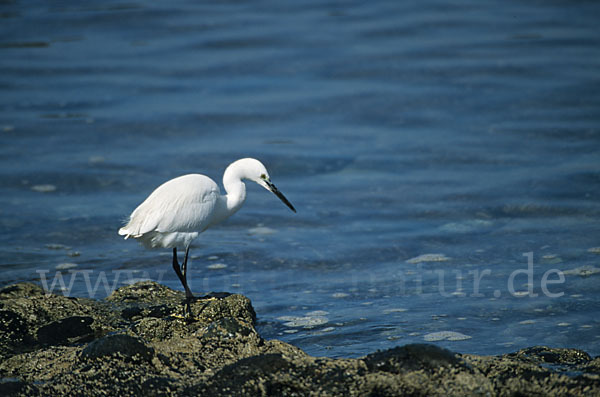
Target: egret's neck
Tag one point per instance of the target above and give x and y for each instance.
(236, 195)
(236, 191)
(229, 203)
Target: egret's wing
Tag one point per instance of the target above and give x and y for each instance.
(184, 204)
(184, 214)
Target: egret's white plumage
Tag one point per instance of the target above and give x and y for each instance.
(180, 209)
(175, 213)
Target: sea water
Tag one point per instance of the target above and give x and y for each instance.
(444, 159)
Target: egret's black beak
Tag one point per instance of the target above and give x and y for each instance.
(269, 186)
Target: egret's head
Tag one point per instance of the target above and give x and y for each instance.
(255, 171)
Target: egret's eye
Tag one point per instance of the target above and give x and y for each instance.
(263, 176)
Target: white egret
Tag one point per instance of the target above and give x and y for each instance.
(180, 209)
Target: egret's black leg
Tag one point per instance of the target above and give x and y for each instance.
(182, 277)
(184, 268)
(188, 293)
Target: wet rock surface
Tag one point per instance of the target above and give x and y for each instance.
(134, 343)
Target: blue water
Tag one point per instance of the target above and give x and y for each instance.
(466, 131)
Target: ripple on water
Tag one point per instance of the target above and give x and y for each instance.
(66, 266)
(216, 266)
(44, 188)
(583, 271)
(303, 321)
(428, 258)
(445, 335)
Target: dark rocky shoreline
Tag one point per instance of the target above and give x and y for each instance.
(131, 344)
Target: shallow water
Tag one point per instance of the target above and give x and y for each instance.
(444, 161)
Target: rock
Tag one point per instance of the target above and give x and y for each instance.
(14, 331)
(138, 346)
(412, 357)
(12, 387)
(125, 346)
(277, 374)
(228, 327)
(145, 292)
(553, 355)
(71, 329)
(21, 290)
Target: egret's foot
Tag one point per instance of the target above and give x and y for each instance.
(187, 310)
(210, 297)
(207, 299)
(177, 316)
(189, 317)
